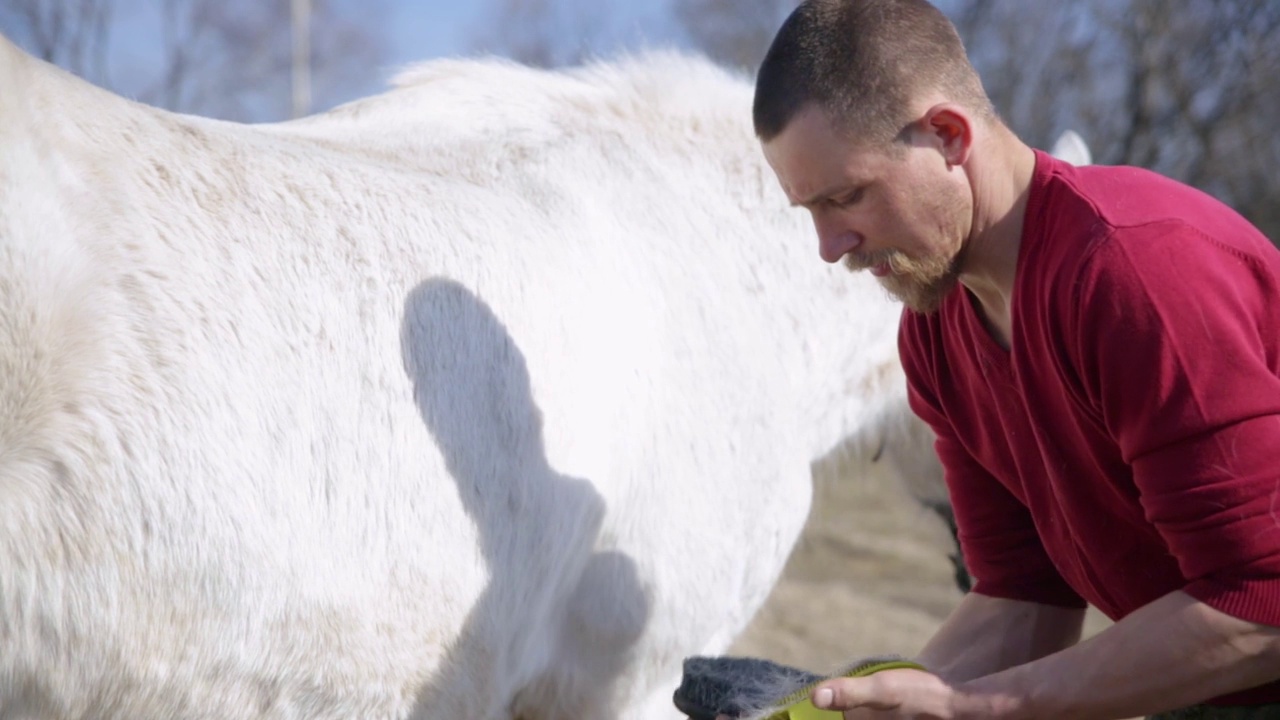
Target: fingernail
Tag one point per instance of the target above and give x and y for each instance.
(823, 698)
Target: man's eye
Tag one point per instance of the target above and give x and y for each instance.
(850, 199)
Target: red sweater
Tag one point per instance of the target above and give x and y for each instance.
(1129, 444)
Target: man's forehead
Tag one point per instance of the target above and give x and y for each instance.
(813, 165)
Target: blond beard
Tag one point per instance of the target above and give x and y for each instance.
(921, 284)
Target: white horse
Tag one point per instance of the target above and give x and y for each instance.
(493, 396)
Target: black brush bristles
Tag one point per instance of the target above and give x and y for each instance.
(735, 686)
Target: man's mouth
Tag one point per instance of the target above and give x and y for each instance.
(880, 270)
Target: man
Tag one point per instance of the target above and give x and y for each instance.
(1098, 351)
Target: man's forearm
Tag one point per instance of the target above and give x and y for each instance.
(985, 635)
(1172, 653)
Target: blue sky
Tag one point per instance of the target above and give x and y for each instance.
(433, 28)
(411, 30)
(408, 30)
(424, 29)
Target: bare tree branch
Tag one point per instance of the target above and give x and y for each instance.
(1186, 93)
(735, 33)
(224, 58)
(543, 33)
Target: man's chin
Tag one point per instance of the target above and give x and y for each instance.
(924, 298)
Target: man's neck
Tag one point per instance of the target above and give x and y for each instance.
(1000, 175)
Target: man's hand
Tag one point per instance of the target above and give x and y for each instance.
(904, 693)
(892, 694)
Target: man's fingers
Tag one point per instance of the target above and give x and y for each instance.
(824, 698)
(844, 694)
(880, 691)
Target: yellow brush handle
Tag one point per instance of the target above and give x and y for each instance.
(800, 707)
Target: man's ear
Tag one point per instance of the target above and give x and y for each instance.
(948, 129)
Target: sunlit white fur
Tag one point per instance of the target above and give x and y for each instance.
(493, 396)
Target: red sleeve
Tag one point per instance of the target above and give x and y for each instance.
(1178, 343)
(998, 539)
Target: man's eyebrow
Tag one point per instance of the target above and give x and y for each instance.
(825, 194)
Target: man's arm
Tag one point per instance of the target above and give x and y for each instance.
(984, 635)
(1172, 653)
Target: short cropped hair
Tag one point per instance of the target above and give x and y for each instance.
(862, 62)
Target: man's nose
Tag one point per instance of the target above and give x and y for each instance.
(833, 245)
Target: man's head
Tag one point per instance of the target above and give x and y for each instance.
(863, 62)
(867, 110)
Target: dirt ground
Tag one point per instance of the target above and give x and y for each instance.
(869, 576)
